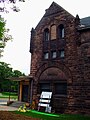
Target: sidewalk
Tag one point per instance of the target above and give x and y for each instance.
(7, 108)
(4, 107)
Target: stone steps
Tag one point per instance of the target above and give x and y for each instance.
(17, 104)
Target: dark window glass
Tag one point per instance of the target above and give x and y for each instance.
(45, 87)
(46, 34)
(61, 31)
(61, 88)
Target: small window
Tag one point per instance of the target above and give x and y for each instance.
(61, 88)
(53, 54)
(62, 53)
(46, 34)
(61, 31)
(46, 55)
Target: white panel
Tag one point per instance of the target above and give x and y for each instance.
(45, 101)
(46, 95)
(43, 105)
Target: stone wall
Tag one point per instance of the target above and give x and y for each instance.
(76, 61)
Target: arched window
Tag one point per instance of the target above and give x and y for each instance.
(46, 34)
(61, 31)
(53, 32)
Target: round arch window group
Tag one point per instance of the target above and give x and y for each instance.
(54, 32)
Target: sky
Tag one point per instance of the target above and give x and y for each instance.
(16, 51)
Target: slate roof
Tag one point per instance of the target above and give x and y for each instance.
(85, 21)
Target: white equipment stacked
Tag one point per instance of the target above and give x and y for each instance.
(45, 100)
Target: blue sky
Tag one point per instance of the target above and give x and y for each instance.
(16, 52)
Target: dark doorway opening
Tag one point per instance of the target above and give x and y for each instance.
(25, 93)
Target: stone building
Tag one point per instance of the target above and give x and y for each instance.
(60, 60)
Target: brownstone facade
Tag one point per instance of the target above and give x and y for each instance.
(60, 60)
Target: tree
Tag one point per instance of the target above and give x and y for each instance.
(4, 36)
(17, 73)
(14, 84)
(6, 3)
(5, 72)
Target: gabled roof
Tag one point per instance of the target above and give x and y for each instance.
(53, 9)
(85, 21)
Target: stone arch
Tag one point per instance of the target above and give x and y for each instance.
(46, 34)
(52, 73)
(55, 77)
(61, 31)
(55, 65)
(61, 103)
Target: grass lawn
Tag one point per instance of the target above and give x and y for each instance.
(6, 95)
(46, 116)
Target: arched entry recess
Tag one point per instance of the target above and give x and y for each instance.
(57, 80)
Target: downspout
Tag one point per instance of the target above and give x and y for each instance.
(31, 94)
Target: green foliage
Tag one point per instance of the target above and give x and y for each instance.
(7, 93)
(12, 95)
(17, 73)
(4, 36)
(2, 27)
(6, 72)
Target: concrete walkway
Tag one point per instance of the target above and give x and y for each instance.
(7, 108)
(4, 107)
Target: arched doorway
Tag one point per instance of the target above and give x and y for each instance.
(53, 79)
